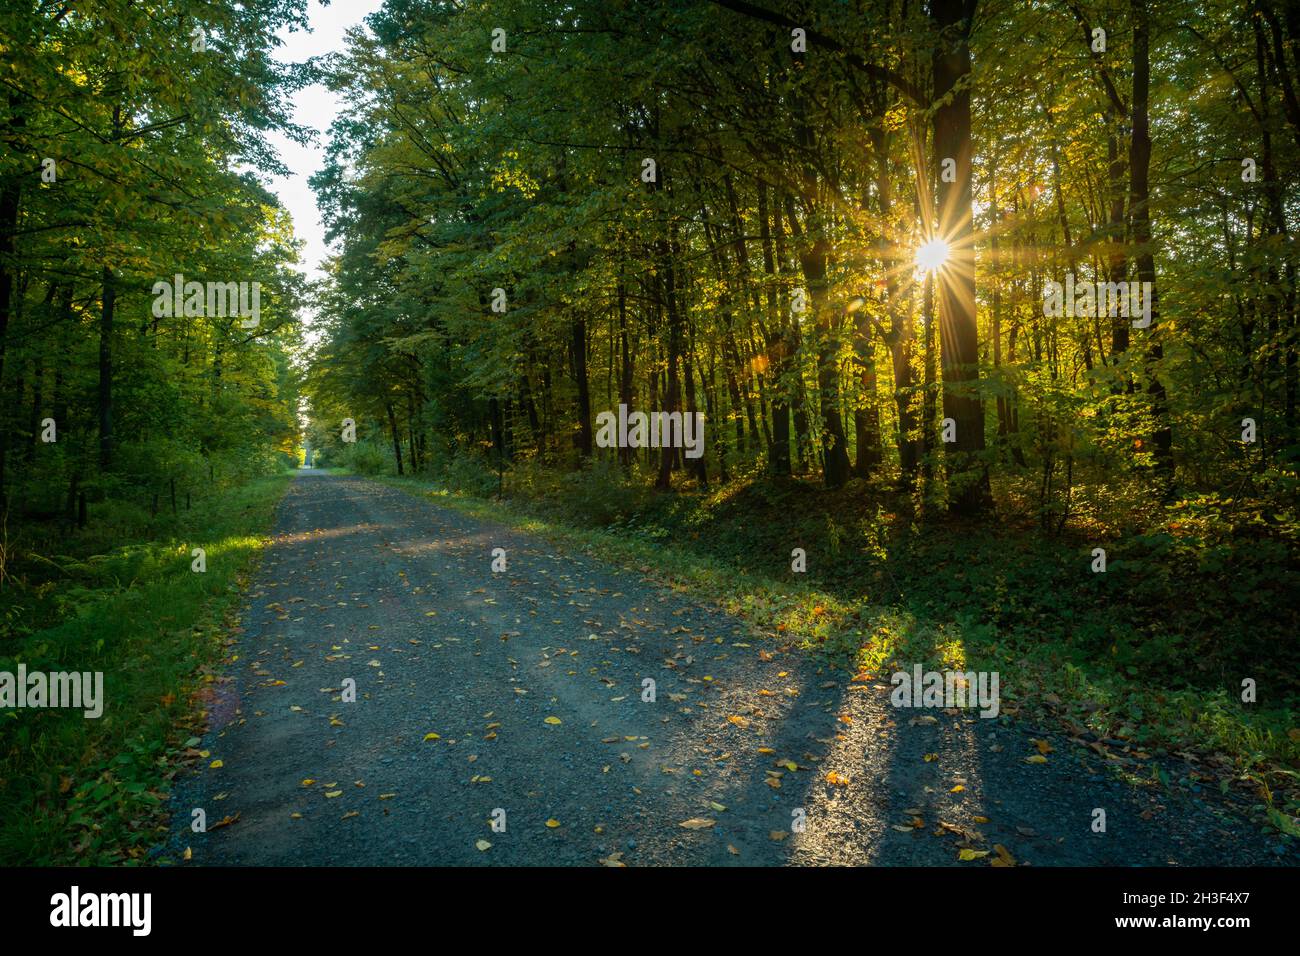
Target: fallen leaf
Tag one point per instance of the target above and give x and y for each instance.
(696, 823)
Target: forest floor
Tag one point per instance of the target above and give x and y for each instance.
(120, 598)
(518, 696)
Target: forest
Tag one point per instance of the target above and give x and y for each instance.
(709, 206)
(1027, 265)
(988, 309)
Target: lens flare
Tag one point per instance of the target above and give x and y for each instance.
(932, 255)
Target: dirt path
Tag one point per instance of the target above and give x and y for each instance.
(533, 680)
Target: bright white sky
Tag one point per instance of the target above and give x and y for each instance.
(316, 107)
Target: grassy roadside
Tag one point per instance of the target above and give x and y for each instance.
(1061, 655)
(92, 791)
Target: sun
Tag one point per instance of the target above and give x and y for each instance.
(932, 255)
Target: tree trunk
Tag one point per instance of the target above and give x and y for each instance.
(105, 405)
(579, 346)
(777, 358)
(1139, 192)
(397, 437)
(968, 473)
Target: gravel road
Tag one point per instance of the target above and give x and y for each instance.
(532, 680)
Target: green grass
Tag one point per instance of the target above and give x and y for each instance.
(1151, 653)
(93, 791)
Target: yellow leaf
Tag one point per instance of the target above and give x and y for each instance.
(968, 855)
(331, 794)
(696, 823)
(189, 854)
(554, 721)
(432, 736)
(1036, 758)
(552, 823)
(216, 765)
(483, 845)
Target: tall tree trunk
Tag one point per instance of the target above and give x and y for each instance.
(968, 473)
(1139, 194)
(9, 198)
(579, 345)
(105, 403)
(673, 391)
(777, 352)
(627, 369)
(397, 436)
(835, 453)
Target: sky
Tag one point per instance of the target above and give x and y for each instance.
(316, 107)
